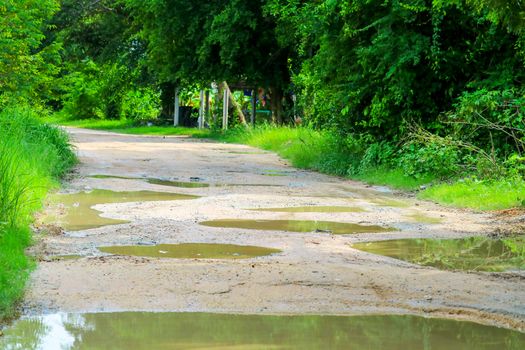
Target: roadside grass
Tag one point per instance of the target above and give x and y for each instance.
(125, 126)
(33, 156)
(479, 195)
(394, 178)
(318, 150)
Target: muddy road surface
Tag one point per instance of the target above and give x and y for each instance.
(312, 271)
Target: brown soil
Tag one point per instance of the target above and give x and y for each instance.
(316, 273)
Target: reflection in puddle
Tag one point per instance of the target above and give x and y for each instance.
(314, 209)
(192, 251)
(473, 253)
(155, 331)
(78, 214)
(155, 181)
(337, 228)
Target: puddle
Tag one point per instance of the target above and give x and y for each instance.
(388, 202)
(313, 209)
(62, 257)
(183, 184)
(77, 213)
(473, 253)
(192, 251)
(250, 185)
(424, 219)
(177, 183)
(159, 331)
(246, 152)
(155, 181)
(277, 172)
(337, 228)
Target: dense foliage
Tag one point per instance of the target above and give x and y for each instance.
(426, 86)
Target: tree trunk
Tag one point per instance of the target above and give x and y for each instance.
(276, 97)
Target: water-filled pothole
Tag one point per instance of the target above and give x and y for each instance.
(155, 181)
(62, 257)
(388, 202)
(159, 331)
(473, 253)
(424, 219)
(73, 211)
(192, 251)
(337, 228)
(314, 209)
(183, 184)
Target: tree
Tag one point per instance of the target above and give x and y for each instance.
(377, 67)
(27, 66)
(201, 42)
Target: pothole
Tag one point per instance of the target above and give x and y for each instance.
(156, 331)
(313, 209)
(337, 228)
(191, 251)
(156, 181)
(473, 253)
(74, 212)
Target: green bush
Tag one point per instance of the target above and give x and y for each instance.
(440, 160)
(82, 97)
(493, 120)
(141, 105)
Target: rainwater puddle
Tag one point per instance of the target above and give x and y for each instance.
(247, 152)
(313, 209)
(77, 214)
(389, 202)
(337, 228)
(272, 172)
(63, 257)
(192, 251)
(473, 253)
(183, 184)
(155, 181)
(156, 331)
(424, 219)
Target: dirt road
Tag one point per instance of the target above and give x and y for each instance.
(316, 272)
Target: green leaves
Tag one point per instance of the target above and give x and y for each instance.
(26, 66)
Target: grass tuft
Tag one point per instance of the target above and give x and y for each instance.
(479, 195)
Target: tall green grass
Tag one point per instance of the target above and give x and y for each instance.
(319, 150)
(304, 147)
(33, 156)
(125, 126)
(494, 194)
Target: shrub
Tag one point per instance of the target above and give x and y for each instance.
(440, 160)
(141, 105)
